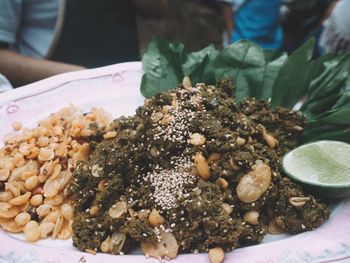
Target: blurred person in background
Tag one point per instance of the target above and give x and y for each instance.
(254, 20)
(27, 32)
(335, 37)
(302, 19)
(41, 38)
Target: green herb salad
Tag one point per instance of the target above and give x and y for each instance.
(192, 171)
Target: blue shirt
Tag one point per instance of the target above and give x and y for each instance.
(257, 21)
(28, 26)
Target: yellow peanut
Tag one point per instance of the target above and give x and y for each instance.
(202, 166)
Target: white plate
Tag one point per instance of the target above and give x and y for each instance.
(116, 89)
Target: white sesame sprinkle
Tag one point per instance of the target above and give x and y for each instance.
(169, 184)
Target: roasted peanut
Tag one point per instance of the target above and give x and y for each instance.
(14, 188)
(117, 242)
(197, 139)
(10, 212)
(5, 196)
(240, 141)
(110, 135)
(31, 231)
(167, 247)
(216, 255)
(36, 200)
(298, 201)
(222, 183)
(157, 116)
(4, 174)
(143, 214)
(202, 166)
(12, 226)
(166, 120)
(20, 200)
(274, 228)
(105, 245)
(118, 209)
(155, 219)
(58, 226)
(94, 210)
(43, 141)
(31, 182)
(44, 209)
(254, 184)
(233, 165)
(56, 200)
(46, 154)
(251, 217)
(52, 217)
(22, 218)
(67, 211)
(214, 157)
(270, 140)
(16, 126)
(51, 187)
(228, 209)
(66, 231)
(46, 229)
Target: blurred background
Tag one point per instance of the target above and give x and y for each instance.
(196, 23)
(39, 39)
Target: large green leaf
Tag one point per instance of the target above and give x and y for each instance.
(291, 84)
(339, 113)
(274, 61)
(321, 131)
(328, 87)
(161, 63)
(198, 63)
(243, 62)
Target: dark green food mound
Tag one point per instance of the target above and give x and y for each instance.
(149, 165)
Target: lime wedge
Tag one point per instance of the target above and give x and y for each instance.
(322, 163)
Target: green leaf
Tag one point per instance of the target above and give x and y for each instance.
(339, 113)
(274, 62)
(161, 63)
(291, 84)
(326, 89)
(197, 65)
(321, 131)
(253, 69)
(243, 62)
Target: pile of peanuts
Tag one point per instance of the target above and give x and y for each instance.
(35, 168)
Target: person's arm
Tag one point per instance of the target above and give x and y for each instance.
(150, 8)
(227, 13)
(21, 70)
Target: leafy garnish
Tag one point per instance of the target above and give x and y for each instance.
(322, 84)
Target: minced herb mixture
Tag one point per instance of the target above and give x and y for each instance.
(191, 171)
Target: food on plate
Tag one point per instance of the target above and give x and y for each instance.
(192, 171)
(35, 168)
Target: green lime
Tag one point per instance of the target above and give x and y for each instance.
(322, 164)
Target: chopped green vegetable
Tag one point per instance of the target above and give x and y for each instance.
(186, 171)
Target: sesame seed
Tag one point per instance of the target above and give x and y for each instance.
(169, 184)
